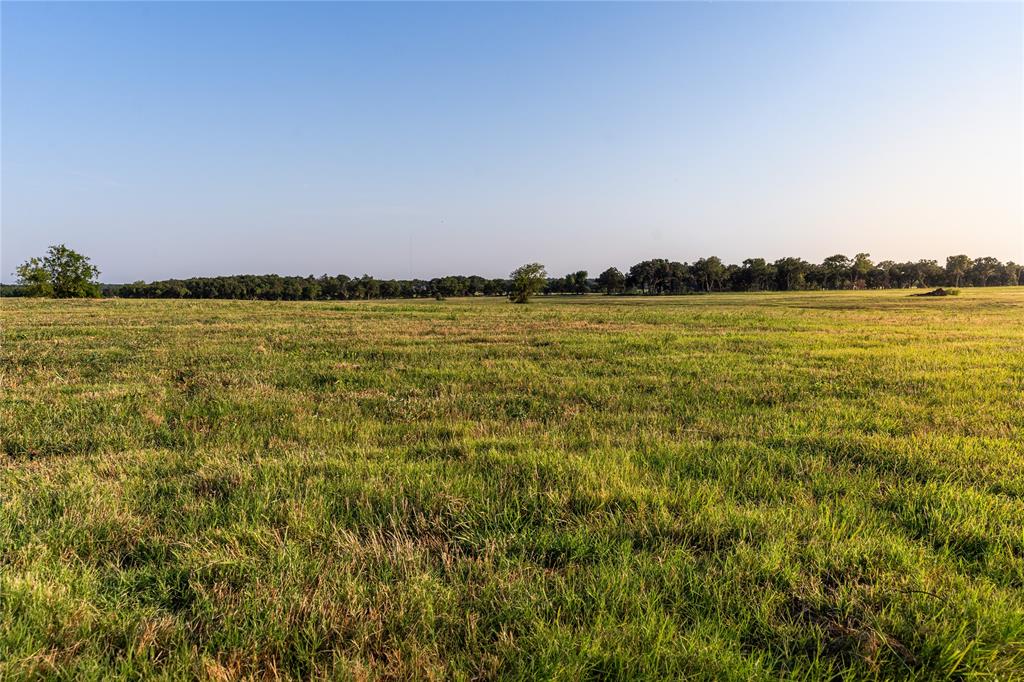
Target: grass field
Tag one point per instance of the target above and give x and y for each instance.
(813, 486)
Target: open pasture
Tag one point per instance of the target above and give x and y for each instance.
(734, 486)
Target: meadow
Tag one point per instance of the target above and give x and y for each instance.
(821, 485)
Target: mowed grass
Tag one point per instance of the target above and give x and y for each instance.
(806, 486)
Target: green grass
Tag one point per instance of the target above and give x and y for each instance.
(806, 486)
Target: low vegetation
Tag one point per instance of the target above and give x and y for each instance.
(736, 486)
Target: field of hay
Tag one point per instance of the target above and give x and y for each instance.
(734, 486)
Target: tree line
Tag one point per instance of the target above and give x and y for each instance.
(649, 277)
(65, 273)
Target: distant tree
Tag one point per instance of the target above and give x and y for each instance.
(930, 273)
(1011, 273)
(755, 275)
(957, 267)
(558, 285)
(343, 286)
(391, 288)
(371, 286)
(836, 271)
(310, 289)
(878, 277)
(983, 269)
(904, 275)
(62, 273)
(861, 268)
(475, 285)
(447, 286)
(526, 281)
(578, 282)
(291, 288)
(35, 278)
(612, 281)
(495, 287)
(174, 290)
(709, 272)
(732, 272)
(367, 287)
(791, 273)
(643, 276)
(650, 276)
(72, 274)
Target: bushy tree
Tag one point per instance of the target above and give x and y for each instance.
(495, 287)
(578, 282)
(612, 281)
(791, 272)
(709, 272)
(62, 273)
(643, 276)
(755, 275)
(861, 268)
(957, 267)
(1010, 273)
(526, 281)
(983, 269)
(930, 273)
(35, 278)
(836, 271)
(660, 276)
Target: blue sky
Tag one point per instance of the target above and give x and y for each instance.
(180, 139)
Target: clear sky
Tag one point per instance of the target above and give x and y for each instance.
(181, 139)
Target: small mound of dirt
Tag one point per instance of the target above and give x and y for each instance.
(935, 292)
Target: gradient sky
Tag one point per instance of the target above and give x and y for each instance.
(181, 139)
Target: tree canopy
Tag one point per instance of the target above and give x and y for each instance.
(61, 273)
(526, 281)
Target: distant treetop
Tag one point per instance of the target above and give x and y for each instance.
(61, 273)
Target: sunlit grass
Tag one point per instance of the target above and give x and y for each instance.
(724, 486)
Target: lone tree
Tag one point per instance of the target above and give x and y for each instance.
(61, 273)
(526, 281)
